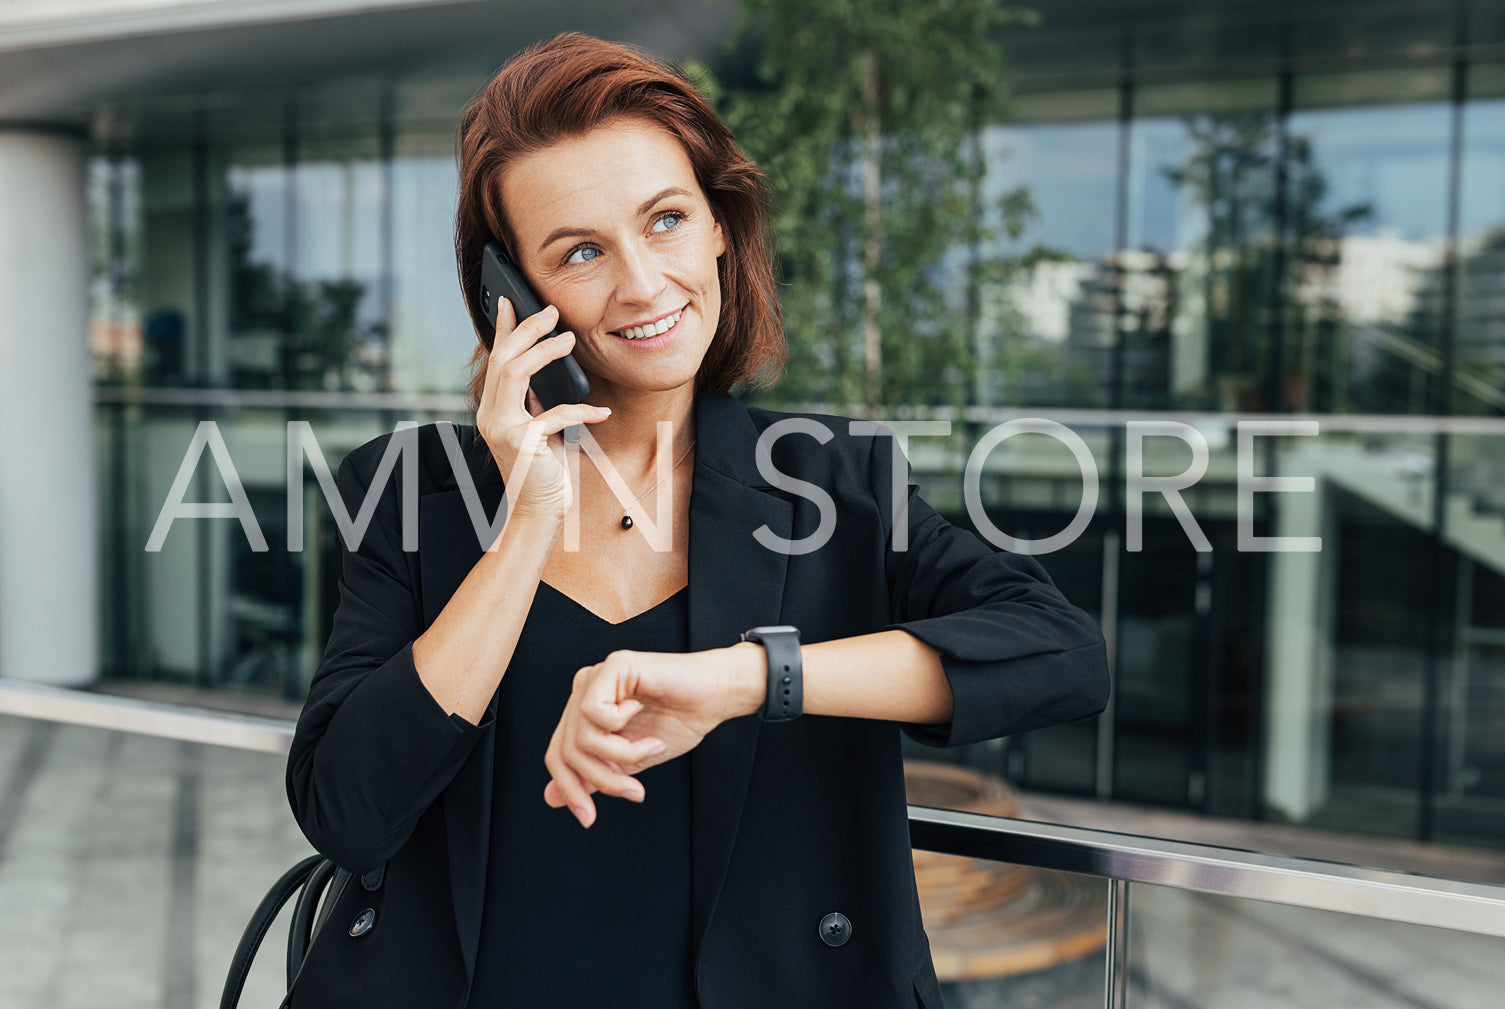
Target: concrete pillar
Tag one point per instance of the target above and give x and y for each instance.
(1299, 650)
(49, 581)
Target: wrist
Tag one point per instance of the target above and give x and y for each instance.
(540, 528)
(536, 520)
(552, 512)
(747, 678)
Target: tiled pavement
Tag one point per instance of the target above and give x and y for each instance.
(128, 867)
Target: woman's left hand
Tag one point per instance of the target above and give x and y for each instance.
(638, 709)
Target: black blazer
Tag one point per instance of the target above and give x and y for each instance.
(790, 821)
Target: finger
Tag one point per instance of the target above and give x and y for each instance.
(570, 786)
(593, 771)
(553, 421)
(526, 333)
(511, 371)
(553, 794)
(532, 359)
(611, 748)
(516, 339)
(605, 691)
(530, 429)
(491, 381)
(506, 320)
(609, 714)
(578, 741)
(506, 323)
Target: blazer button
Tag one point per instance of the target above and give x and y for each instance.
(835, 929)
(363, 922)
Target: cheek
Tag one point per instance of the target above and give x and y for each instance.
(579, 305)
(708, 264)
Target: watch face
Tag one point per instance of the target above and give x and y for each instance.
(776, 629)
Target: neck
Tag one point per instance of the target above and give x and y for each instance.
(629, 437)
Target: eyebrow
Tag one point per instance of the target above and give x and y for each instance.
(646, 206)
(660, 195)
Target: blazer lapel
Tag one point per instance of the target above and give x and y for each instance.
(734, 584)
(450, 548)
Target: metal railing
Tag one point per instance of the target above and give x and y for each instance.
(1280, 879)
(986, 416)
(1121, 859)
(145, 718)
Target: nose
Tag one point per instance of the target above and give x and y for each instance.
(640, 278)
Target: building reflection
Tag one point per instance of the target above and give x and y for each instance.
(1214, 237)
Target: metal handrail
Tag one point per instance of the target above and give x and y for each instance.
(145, 718)
(1299, 882)
(987, 416)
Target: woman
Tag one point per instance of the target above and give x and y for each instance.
(563, 776)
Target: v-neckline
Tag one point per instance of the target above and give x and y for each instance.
(598, 617)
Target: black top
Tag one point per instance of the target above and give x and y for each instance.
(614, 899)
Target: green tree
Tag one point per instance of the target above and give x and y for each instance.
(866, 116)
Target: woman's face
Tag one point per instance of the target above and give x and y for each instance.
(613, 230)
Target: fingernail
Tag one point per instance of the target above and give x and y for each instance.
(580, 814)
(564, 337)
(603, 410)
(656, 750)
(633, 794)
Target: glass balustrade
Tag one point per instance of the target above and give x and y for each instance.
(131, 858)
(1212, 952)
(130, 864)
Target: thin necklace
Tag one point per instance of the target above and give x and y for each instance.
(626, 518)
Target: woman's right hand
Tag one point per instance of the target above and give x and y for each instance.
(524, 439)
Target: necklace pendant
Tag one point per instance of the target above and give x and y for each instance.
(626, 521)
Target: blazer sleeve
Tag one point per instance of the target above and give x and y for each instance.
(1017, 654)
(372, 749)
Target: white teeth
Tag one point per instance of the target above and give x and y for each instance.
(652, 329)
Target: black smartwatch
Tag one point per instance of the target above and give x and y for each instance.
(786, 681)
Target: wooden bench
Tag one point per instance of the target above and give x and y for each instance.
(988, 919)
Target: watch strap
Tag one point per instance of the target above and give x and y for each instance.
(785, 699)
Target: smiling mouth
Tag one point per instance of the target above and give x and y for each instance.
(651, 329)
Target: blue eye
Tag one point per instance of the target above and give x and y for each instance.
(583, 254)
(669, 221)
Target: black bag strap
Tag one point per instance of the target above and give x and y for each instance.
(261, 920)
(301, 932)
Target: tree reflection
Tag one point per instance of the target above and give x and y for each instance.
(296, 334)
(1270, 245)
(866, 117)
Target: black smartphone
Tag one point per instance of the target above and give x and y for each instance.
(557, 382)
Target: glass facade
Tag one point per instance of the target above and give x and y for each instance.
(297, 250)
(1235, 221)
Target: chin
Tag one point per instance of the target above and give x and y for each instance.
(665, 383)
(636, 380)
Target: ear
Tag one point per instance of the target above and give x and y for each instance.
(718, 237)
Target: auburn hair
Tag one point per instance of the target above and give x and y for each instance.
(570, 85)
